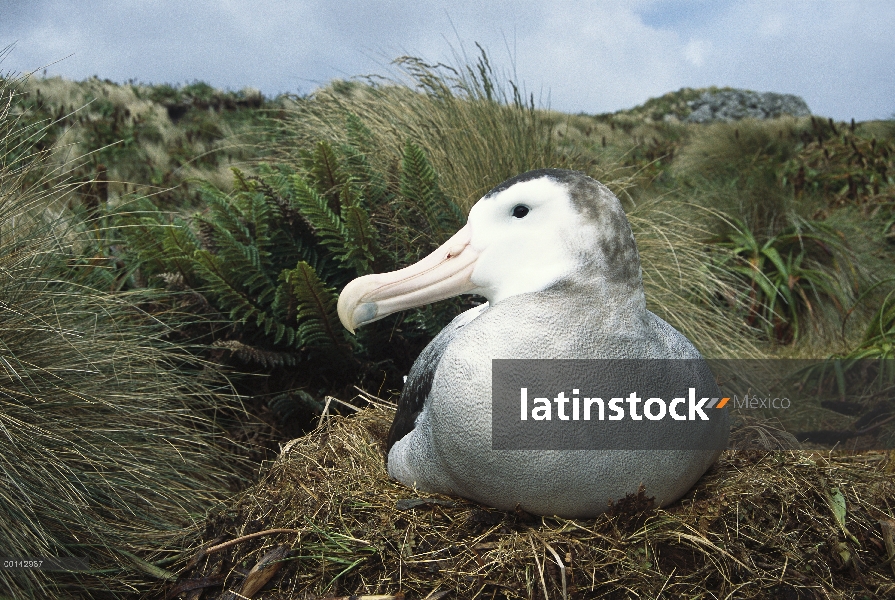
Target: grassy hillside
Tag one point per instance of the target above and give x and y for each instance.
(757, 237)
(211, 232)
(136, 138)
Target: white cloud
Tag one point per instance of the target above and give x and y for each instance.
(695, 52)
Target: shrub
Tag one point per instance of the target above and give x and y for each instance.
(843, 166)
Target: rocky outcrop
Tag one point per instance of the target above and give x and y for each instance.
(733, 105)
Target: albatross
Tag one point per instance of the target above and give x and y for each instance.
(554, 255)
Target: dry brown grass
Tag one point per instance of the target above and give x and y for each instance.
(682, 285)
(759, 524)
(475, 129)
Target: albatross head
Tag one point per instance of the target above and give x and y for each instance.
(530, 233)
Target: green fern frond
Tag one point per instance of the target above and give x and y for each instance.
(326, 224)
(241, 183)
(324, 169)
(276, 188)
(155, 244)
(360, 248)
(359, 135)
(262, 356)
(372, 184)
(225, 283)
(284, 309)
(318, 320)
(179, 245)
(224, 214)
(374, 187)
(419, 185)
(418, 179)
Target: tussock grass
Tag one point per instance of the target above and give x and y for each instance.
(478, 132)
(684, 280)
(109, 445)
(147, 139)
(732, 168)
(88, 104)
(759, 524)
(826, 260)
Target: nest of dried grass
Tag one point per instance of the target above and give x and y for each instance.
(786, 524)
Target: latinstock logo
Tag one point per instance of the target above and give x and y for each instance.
(619, 404)
(654, 409)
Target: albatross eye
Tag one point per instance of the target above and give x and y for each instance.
(520, 211)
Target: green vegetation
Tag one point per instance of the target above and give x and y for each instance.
(112, 439)
(270, 257)
(788, 274)
(878, 340)
(136, 138)
(157, 239)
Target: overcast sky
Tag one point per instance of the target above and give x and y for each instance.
(591, 57)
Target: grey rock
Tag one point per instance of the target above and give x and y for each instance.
(733, 105)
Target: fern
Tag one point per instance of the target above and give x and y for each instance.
(179, 244)
(325, 223)
(374, 188)
(224, 284)
(257, 355)
(419, 185)
(284, 309)
(360, 247)
(155, 242)
(269, 257)
(316, 308)
(288, 404)
(359, 135)
(324, 170)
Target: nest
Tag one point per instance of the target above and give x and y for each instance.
(326, 522)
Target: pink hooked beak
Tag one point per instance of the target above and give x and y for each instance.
(443, 274)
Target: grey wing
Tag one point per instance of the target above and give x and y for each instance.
(419, 382)
(672, 343)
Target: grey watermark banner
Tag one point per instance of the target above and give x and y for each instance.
(683, 404)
